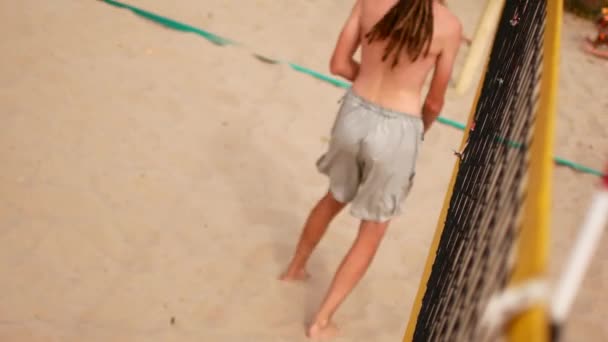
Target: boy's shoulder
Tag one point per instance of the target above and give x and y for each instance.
(446, 17)
(450, 24)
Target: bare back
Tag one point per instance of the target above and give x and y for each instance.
(399, 88)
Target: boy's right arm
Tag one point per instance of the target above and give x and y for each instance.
(342, 62)
(441, 77)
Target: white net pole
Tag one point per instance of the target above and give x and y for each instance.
(580, 257)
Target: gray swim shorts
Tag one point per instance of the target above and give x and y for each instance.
(371, 160)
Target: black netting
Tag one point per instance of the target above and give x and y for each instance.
(484, 213)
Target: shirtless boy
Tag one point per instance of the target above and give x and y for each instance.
(378, 130)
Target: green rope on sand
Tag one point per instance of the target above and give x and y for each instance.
(215, 39)
(170, 23)
(578, 167)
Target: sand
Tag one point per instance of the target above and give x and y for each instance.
(153, 184)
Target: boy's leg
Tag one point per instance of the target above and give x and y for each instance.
(590, 49)
(351, 270)
(314, 229)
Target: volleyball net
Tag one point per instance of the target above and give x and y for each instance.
(493, 230)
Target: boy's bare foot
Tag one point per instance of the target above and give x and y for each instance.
(300, 275)
(320, 331)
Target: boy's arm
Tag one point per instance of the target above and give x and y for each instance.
(589, 48)
(342, 62)
(441, 77)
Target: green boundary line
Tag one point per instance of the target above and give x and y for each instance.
(215, 39)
